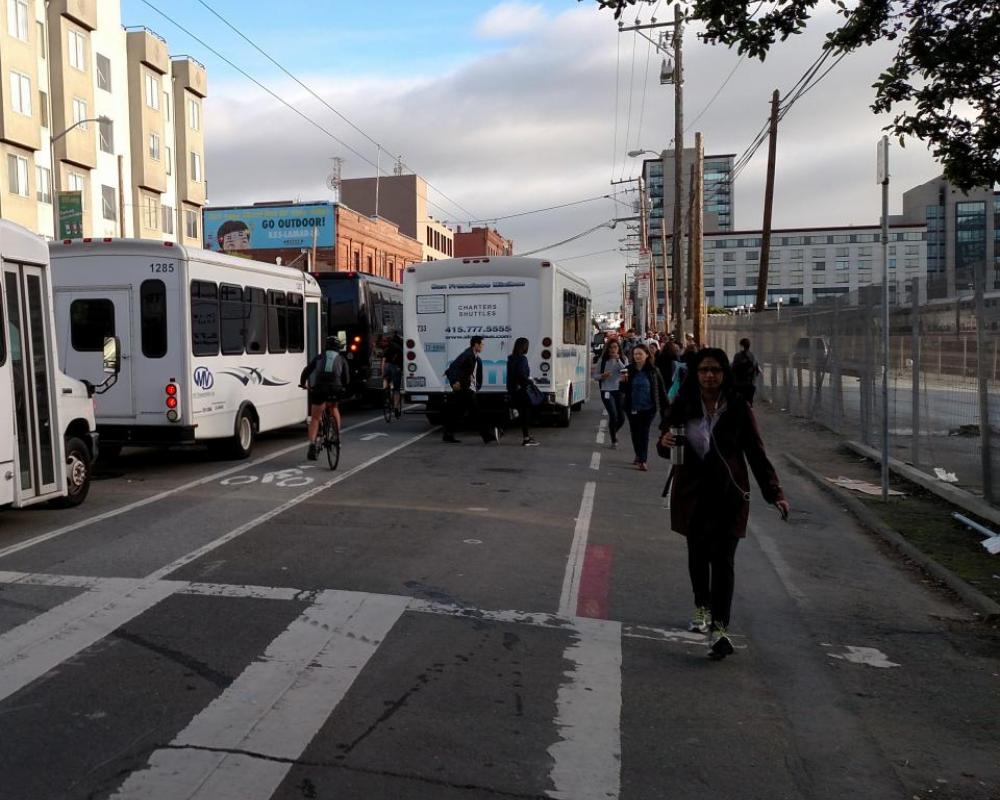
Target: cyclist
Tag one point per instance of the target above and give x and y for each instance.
(327, 379)
(392, 370)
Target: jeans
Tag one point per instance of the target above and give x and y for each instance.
(457, 405)
(520, 401)
(638, 423)
(711, 565)
(614, 402)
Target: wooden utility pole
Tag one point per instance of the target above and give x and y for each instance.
(668, 314)
(689, 300)
(678, 266)
(696, 243)
(765, 242)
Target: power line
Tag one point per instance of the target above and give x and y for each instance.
(588, 255)
(610, 196)
(618, 81)
(718, 91)
(608, 224)
(631, 87)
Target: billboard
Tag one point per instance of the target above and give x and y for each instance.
(245, 228)
(70, 205)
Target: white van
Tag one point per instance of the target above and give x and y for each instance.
(212, 345)
(500, 298)
(48, 441)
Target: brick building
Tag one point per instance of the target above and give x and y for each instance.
(481, 242)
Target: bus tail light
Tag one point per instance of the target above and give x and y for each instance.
(410, 343)
(410, 355)
(171, 401)
(546, 355)
(547, 342)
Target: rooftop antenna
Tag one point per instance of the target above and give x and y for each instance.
(333, 180)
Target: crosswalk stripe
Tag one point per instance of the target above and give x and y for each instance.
(30, 650)
(243, 744)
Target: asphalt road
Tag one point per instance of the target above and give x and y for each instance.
(437, 622)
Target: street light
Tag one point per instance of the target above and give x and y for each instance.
(55, 170)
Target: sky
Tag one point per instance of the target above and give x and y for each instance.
(517, 105)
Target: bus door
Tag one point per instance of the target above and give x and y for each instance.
(38, 442)
(84, 318)
(314, 342)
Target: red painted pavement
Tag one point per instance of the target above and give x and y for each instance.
(595, 582)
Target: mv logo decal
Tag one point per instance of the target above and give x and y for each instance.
(252, 376)
(203, 378)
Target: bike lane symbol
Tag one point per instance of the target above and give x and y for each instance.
(285, 478)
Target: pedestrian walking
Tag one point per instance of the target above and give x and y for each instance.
(520, 388)
(665, 361)
(465, 376)
(710, 495)
(645, 397)
(608, 372)
(745, 371)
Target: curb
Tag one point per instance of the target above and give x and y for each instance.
(983, 605)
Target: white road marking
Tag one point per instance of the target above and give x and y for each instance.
(274, 708)
(785, 572)
(215, 476)
(30, 650)
(868, 656)
(574, 566)
(595, 461)
(601, 430)
(235, 533)
(587, 759)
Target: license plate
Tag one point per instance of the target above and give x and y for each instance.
(419, 398)
(416, 382)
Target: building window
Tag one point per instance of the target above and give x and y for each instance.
(106, 128)
(729, 281)
(912, 249)
(892, 250)
(109, 202)
(103, 72)
(154, 146)
(168, 218)
(729, 256)
(77, 51)
(708, 258)
(152, 91)
(892, 263)
(752, 255)
(797, 255)
(20, 93)
(819, 266)
(150, 213)
(194, 114)
(17, 174)
(864, 251)
(842, 252)
(775, 256)
(80, 112)
(190, 223)
(843, 264)
(168, 153)
(17, 19)
(865, 265)
(196, 175)
(357, 260)
(43, 184)
(166, 106)
(43, 108)
(751, 280)
(819, 252)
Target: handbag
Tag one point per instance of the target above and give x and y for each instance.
(535, 396)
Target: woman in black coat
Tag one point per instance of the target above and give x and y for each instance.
(710, 495)
(518, 381)
(645, 398)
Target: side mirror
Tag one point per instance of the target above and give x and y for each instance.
(112, 355)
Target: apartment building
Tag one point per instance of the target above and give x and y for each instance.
(69, 74)
(401, 199)
(810, 265)
(482, 242)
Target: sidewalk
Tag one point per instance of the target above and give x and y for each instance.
(922, 518)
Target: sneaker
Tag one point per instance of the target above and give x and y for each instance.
(614, 445)
(720, 645)
(701, 620)
(642, 467)
(529, 442)
(450, 439)
(311, 454)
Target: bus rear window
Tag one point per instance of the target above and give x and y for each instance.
(204, 318)
(90, 320)
(153, 318)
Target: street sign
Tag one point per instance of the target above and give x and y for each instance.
(71, 215)
(882, 161)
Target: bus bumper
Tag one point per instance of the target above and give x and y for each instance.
(146, 435)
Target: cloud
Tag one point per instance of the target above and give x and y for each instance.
(510, 19)
(533, 123)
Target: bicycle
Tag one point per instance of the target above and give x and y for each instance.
(391, 405)
(329, 438)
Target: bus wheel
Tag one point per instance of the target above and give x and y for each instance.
(565, 413)
(241, 445)
(78, 470)
(109, 452)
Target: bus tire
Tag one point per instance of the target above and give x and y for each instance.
(565, 413)
(577, 407)
(109, 452)
(79, 467)
(245, 434)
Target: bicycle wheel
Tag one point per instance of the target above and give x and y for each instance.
(397, 405)
(332, 445)
(387, 405)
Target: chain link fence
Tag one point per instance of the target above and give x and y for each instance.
(824, 363)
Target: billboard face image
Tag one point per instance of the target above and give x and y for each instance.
(235, 230)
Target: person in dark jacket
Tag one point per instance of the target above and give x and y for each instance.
(326, 376)
(518, 381)
(665, 362)
(745, 371)
(645, 397)
(465, 376)
(710, 495)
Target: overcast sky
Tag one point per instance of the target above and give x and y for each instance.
(512, 106)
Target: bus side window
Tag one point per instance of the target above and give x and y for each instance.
(256, 314)
(153, 318)
(204, 318)
(231, 306)
(3, 328)
(277, 322)
(296, 322)
(90, 320)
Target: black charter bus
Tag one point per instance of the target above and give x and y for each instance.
(363, 311)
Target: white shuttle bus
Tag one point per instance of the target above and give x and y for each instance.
(500, 298)
(212, 345)
(47, 428)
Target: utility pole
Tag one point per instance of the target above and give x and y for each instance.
(696, 243)
(678, 267)
(689, 272)
(765, 242)
(667, 314)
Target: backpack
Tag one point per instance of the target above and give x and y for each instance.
(744, 368)
(327, 370)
